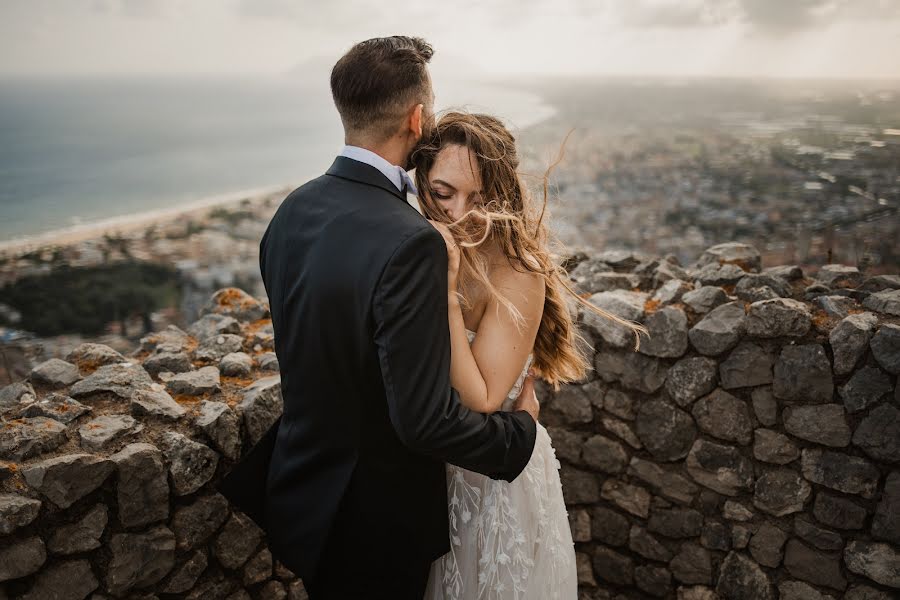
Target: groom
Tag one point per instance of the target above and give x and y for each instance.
(355, 499)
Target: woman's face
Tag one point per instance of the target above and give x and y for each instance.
(455, 180)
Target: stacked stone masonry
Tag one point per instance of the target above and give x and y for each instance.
(750, 449)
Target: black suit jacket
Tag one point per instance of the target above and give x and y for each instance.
(357, 284)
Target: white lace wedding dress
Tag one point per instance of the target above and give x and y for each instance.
(508, 540)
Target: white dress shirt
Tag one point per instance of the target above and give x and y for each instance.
(397, 175)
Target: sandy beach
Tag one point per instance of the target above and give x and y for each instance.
(124, 224)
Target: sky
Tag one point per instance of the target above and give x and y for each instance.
(732, 38)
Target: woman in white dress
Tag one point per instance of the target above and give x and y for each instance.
(508, 316)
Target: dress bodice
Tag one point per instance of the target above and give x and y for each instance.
(517, 386)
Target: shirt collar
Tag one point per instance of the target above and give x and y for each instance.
(396, 174)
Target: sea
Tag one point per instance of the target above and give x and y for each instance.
(74, 152)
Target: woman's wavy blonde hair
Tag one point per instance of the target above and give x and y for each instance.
(506, 214)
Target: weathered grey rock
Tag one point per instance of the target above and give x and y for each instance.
(604, 454)
(619, 403)
(170, 339)
(213, 324)
(720, 330)
(82, 535)
(156, 402)
(17, 511)
(195, 383)
(718, 275)
(764, 405)
(583, 568)
(16, 395)
(740, 578)
(273, 590)
(613, 567)
(668, 333)
(723, 416)
(823, 424)
(823, 539)
(877, 283)
(886, 524)
(839, 276)
(54, 373)
(66, 580)
(579, 487)
(781, 492)
(690, 378)
(235, 302)
(191, 464)
(58, 407)
(779, 317)
(697, 592)
(173, 362)
(813, 566)
(798, 590)
(749, 364)
(217, 586)
(865, 387)
(671, 291)
(89, 356)
(721, 468)
(803, 374)
(766, 545)
(261, 406)
(641, 542)
(223, 427)
(786, 272)
(258, 568)
(139, 559)
(22, 557)
(103, 430)
(668, 484)
(740, 536)
(735, 511)
(580, 524)
(848, 474)
(850, 340)
(878, 435)
(705, 298)
(838, 512)
(569, 406)
(773, 447)
(885, 346)
(268, 362)
(65, 479)
(121, 379)
(665, 430)
(652, 580)
(630, 498)
(31, 436)
(836, 306)
(621, 430)
(622, 303)
(753, 287)
(864, 592)
(886, 301)
(605, 281)
(692, 564)
(668, 270)
(608, 526)
(743, 255)
(236, 364)
(142, 490)
(567, 444)
(186, 573)
(194, 523)
(675, 522)
(238, 539)
(263, 337)
(875, 560)
(215, 347)
(715, 536)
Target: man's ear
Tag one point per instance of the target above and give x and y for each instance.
(416, 120)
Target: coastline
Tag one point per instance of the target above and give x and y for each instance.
(124, 224)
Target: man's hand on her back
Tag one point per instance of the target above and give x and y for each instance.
(527, 399)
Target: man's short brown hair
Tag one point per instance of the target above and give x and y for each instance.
(377, 81)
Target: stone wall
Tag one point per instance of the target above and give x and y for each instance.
(749, 450)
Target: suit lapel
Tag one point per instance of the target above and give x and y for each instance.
(347, 168)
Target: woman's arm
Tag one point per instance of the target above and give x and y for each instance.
(484, 372)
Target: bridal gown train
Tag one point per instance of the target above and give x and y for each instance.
(508, 540)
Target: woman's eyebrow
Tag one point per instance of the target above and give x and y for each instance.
(442, 182)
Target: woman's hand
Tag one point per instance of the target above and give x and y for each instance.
(453, 255)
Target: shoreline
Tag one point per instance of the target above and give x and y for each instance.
(123, 224)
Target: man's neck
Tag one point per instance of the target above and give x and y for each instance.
(392, 152)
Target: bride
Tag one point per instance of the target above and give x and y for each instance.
(508, 317)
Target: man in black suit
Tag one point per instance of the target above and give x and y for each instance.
(355, 499)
